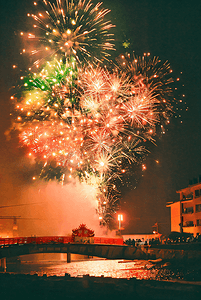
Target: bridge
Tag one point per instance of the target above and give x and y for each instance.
(100, 247)
(97, 250)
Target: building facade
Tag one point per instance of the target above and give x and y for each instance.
(186, 213)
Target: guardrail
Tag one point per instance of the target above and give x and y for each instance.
(57, 240)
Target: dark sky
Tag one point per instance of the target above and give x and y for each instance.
(165, 28)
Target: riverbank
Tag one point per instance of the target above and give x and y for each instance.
(21, 286)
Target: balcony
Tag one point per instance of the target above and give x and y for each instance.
(187, 197)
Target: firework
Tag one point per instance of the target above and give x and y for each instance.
(67, 28)
(77, 118)
(151, 85)
(82, 120)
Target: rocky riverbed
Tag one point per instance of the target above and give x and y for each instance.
(21, 286)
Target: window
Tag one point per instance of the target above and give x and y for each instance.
(198, 207)
(197, 193)
(188, 210)
(198, 223)
(188, 224)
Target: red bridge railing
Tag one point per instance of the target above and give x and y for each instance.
(57, 240)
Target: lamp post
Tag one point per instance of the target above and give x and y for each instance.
(100, 220)
(120, 219)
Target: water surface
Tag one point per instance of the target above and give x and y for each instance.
(140, 269)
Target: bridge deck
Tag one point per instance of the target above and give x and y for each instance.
(98, 250)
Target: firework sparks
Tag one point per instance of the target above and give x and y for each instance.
(83, 120)
(140, 110)
(87, 126)
(71, 28)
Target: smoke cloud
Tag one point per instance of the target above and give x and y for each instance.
(53, 209)
(58, 209)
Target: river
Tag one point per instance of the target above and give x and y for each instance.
(55, 264)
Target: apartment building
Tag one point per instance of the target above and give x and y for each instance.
(186, 213)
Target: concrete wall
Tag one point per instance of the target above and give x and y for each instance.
(175, 216)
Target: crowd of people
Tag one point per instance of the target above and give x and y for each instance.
(138, 242)
(173, 237)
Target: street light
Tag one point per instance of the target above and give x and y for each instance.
(120, 218)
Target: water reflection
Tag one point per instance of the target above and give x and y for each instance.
(140, 269)
(106, 268)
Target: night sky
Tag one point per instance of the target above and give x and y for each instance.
(165, 28)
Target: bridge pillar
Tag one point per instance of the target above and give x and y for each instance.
(68, 257)
(3, 263)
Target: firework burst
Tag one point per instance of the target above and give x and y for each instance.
(82, 120)
(75, 28)
(77, 118)
(152, 79)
